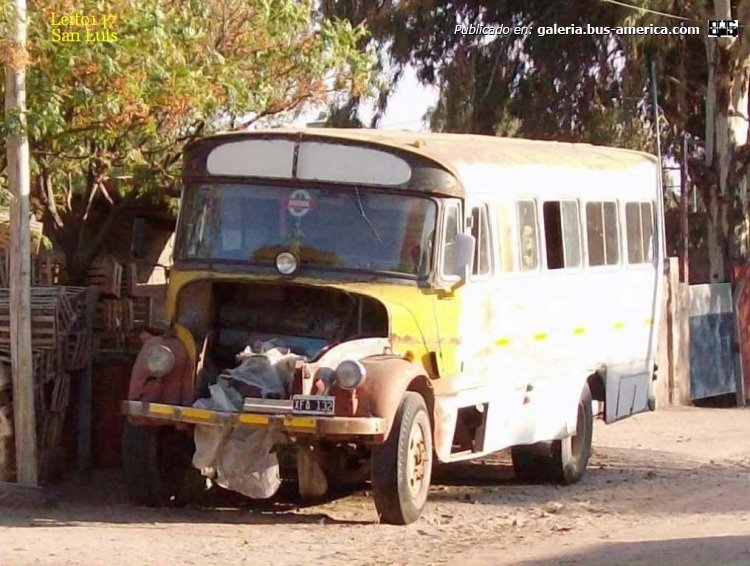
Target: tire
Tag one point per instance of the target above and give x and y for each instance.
(402, 465)
(570, 456)
(157, 465)
(560, 461)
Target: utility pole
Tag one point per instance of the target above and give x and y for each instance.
(20, 254)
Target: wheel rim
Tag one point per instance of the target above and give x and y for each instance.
(416, 459)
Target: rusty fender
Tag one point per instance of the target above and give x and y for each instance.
(388, 378)
(175, 388)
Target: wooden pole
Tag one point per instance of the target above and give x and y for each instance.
(20, 256)
(685, 250)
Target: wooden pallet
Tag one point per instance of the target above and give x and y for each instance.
(53, 311)
(77, 350)
(106, 274)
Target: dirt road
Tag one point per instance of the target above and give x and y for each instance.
(671, 487)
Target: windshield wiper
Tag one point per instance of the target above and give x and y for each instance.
(364, 215)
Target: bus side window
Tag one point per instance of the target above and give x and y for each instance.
(527, 234)
(640, 232)
(562, 235)
(480, 229)
(449, 241)
(602, 233)
(649, 242)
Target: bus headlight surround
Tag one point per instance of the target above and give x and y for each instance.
(160, 360)
(350, 374)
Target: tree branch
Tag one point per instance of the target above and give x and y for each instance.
(114, 216)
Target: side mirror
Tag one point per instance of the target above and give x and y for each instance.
(138, 242)
(463, 257)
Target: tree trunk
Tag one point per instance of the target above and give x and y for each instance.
(727, 107)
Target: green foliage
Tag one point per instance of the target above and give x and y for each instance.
(571, 87)
(107, 120)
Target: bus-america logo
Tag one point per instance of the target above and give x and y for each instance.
(723, 28)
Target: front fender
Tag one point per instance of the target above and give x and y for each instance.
(175, 388)
(388, 378)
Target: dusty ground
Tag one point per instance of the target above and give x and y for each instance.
(671, 487)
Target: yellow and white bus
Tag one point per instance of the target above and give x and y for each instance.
(454, 295)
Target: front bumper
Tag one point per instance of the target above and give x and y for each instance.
(373, 427)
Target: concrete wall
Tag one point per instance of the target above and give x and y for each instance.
(672, 386)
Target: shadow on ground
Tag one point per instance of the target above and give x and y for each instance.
(705, 551)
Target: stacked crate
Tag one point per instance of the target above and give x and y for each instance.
(57, 314)
(7, 451)
(109, 324)
(46, 269)
(121, 312)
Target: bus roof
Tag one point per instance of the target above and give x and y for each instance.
(449, 152)
(451, 149)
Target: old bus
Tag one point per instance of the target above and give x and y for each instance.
(453, 295)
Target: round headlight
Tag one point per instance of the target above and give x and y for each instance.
(287, 263)
(350, 374)
(160, 360)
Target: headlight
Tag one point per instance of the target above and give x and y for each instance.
(350, 374)
(160, 360)
(287, 263)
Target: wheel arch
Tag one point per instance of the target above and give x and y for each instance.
(388, 378)
(596, 386)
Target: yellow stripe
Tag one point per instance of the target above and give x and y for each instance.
(502, 341)
(649, 321)
(299, 422)
(540, 336)
(579, 330)
(618, 325)
(253, 419)
(193, 413)
(160, 409)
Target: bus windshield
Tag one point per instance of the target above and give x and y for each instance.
(347, 229)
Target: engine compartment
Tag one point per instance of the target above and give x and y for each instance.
(226, 317)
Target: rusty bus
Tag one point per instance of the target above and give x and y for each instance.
(447, 296)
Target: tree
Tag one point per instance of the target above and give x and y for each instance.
(591, 87)
(727, 140)
(108, 119)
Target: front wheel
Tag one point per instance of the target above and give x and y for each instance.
(402, 465)
(157, 466)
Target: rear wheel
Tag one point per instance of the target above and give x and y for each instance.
(561, 461)
(157, 461)
(402, 465)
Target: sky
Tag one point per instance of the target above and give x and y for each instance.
(406, 107)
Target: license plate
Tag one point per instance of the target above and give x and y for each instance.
(313, 405)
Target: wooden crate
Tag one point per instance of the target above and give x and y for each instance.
(105, 342)
(46, 270)
(129, 280)
(143, 314)
(36, 229)
(44, 331)
(109, 316)
(106, 274)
